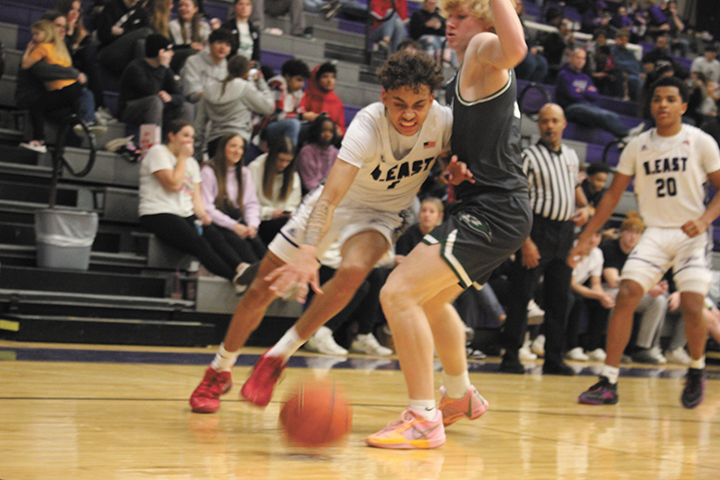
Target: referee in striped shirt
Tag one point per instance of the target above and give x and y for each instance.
(552, 170)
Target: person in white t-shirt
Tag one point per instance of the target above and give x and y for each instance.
(171, 206)
(671, 165)
(386, 155)
(595, 299)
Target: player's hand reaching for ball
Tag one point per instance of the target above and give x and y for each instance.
(296, 276)
(693, 228)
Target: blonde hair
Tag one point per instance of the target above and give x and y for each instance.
(633, 222)
(48, 29)
(479, 9)
(160, 16)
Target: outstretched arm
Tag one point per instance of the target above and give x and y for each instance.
(303, 269)
(507, 48)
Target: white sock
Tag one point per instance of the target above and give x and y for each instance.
(611, 373)
(224, 360)
(699, 363)
(456, 386)
(287, 345)
(424, 408)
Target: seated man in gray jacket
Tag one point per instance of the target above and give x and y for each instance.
(207, 66)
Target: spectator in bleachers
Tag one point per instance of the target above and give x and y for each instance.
(29, 92)
(427, 27)
(558, 205)
(702, 104)
(122, 26)
(600, 66)
(69, 93)
(664, 20)
(206, 67)
(534, 66)
(629, 66)
(349, 9)
(653, 305)
(277, 8)
(278, 186)
(593, 186)
(229, 196)
(171, 205)
(557, 46)
(595, 17)
(188, 32)
(661, 53)
(228, 105)
(288, 89)
(576, 93)
(586, 292)
(622, 20)
(245, 35)
(83, 52)
(320, 97)
(708, 64)
(76, 33)
(83, 60)
(159, 16)
(149, 89)
(388, 28)
(319, 154)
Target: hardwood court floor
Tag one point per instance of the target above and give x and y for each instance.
(92, 412)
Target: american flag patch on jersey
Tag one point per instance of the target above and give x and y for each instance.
(428, 144)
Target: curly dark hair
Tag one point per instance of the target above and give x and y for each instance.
(410, 69)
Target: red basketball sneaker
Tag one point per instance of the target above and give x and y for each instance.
(206, 397)
(259, 387)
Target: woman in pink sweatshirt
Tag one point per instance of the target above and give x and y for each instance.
(231, 202)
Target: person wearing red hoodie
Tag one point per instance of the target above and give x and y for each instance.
(320, 97)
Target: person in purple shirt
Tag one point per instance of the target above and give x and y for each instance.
(576, 93)
(228, 193)
(318, 156)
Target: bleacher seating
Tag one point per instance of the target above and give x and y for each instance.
(133, 278)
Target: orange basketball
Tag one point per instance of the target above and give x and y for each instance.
(316, 413)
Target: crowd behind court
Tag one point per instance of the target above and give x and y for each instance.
(241, 145)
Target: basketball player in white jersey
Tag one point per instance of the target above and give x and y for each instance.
(671, 165)
(386, 155)
(491, 221)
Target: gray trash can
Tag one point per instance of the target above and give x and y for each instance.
(64, 238)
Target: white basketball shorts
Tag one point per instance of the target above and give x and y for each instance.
(662, 248)
(348, 220)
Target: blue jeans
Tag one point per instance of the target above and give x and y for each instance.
(394, 29)
(290, 127)
(596, 117)
(86, 106)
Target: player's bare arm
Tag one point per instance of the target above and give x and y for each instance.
(693, 228)
(607, 205)
(506, 48)
(303, 269)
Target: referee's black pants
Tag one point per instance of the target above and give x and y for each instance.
(554, 240)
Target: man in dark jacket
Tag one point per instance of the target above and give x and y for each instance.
(150, 92)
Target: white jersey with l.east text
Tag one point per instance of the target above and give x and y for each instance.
(670, 174)
(389, 181)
